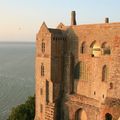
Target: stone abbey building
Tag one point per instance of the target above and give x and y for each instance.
(78, 71)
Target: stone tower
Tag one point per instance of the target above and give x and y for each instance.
(78, 72)
(49, 54)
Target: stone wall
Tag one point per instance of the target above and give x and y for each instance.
(91, 83)
(77, 102)
(111, 106)
(74, 59)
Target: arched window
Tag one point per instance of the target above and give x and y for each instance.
(104, 73)
(43, 47)
(83, 48)
(105, 49)
(95, 49)
(92, 44)
(42, 69)
(108, 116)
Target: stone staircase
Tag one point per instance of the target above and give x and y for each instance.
(50, 111)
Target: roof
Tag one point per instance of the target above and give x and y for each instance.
(99, 25)
(55, 31)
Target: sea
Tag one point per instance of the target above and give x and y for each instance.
(17, 79)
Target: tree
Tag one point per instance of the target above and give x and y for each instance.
(24, 111)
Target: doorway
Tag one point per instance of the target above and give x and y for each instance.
(80, 115)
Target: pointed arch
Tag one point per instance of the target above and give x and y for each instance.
(95, 49)
(103, 45)
(80, 114)
(105, 48)
(92, 44)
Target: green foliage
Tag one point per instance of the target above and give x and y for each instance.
(24, 111)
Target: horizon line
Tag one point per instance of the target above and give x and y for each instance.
(17, 41)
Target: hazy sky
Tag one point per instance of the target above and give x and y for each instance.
(21, 19)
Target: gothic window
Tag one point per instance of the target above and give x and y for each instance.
(105, 49)
(83, 71)
(43, 47)
(104, 73)
(108, 116)
(47, 91)
(83, 48)
(42, 69)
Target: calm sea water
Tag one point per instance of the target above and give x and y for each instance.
(16, 75)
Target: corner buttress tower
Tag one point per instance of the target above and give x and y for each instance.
(48, 69)
(44, 85)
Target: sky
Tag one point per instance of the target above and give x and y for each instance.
(20, 20)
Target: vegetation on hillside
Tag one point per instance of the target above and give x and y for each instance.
(24, 111)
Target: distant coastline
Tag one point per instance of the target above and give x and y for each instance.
(14, 42)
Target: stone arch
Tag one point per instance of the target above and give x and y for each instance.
(92, 44)
(80, 114)
(108, 116)
(104, 44)
(105, 48)
(95, 49)
(83, 47)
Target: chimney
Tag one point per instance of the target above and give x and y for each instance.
(73, 18)
(107, 20)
